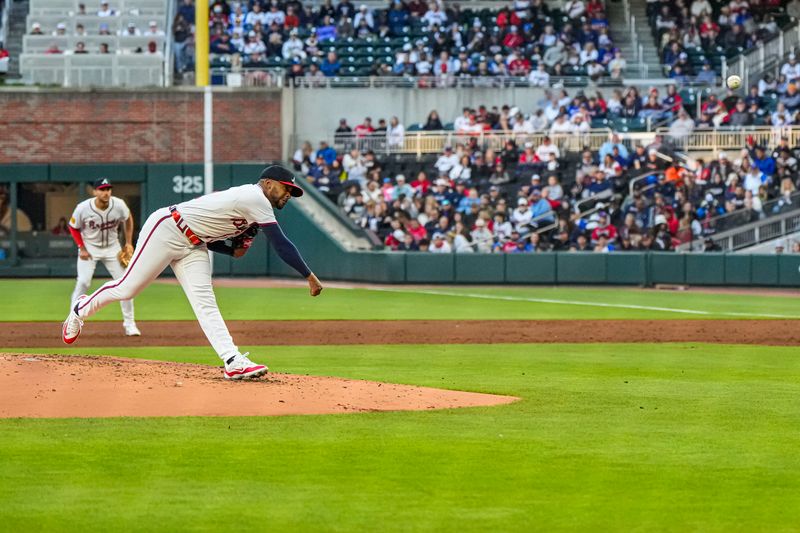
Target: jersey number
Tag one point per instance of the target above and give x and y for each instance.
(187, 184)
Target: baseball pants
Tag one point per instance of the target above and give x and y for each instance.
(161, 244)
(86, 273)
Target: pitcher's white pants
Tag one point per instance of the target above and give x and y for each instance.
(86, 272)
(160, 244)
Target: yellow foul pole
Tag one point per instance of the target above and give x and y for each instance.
(201, 47)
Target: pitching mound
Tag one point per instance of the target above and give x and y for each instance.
(53, 386)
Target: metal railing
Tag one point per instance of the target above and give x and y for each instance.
(754, 60)
(719, 139)
(4, 21)
(99, 70)
(431, 142)
(751, 234)
(551, 227)
(169, 59)
(632, 185)
(232, 76)
(728, 224)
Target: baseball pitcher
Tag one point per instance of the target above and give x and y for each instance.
(181, 236)
(94, 227)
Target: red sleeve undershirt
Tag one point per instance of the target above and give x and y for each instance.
(76, 236)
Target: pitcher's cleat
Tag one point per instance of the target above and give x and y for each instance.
(71, 329)
(240, 367)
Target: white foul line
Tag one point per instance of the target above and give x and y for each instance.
(578, 302)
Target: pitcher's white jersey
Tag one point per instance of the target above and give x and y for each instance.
(99, 228)
(224, 214)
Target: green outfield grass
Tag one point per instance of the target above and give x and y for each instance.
(606, 437)
(47, 300)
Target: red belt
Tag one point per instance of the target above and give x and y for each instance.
(183, 227)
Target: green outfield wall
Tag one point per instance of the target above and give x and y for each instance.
(42, 255)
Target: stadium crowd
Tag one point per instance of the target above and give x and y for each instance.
(692, 33)
(534, 198)
(556, 113)
(521, 38)
(104, 14)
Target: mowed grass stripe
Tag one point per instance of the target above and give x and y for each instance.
(47, 300)
(606, 437)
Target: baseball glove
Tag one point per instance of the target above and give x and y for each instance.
(242, 242)
(124, 257)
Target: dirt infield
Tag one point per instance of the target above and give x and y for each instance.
(325, 332)
(85, 387)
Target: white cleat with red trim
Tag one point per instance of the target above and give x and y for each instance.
(240, 367)
(71, 329)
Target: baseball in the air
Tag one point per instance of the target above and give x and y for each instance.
(734, 82)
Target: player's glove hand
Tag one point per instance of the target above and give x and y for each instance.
(124, 255)
(242, 242)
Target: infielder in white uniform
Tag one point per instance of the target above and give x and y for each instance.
(94, 227)
(181, 236)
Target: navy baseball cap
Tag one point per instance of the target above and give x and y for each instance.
(282, 175)
(102, 183)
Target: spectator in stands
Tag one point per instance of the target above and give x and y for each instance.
(275, 15)
(791, 69)
(682, 127)
(354, 164)
(395, 133)
(4, 59)
(181, 33)
(80, 48)
(186, 10)
(130, 30)
(36, 29)
(439, 245)
(740, 116)
(364, 129)
(153, 30)
(707, 75)
(331, 66)
(614, 142)
(445, 163)
(103, 48)
(254, 16)
(61, 229)
(540, 77)
(293, 47)
(616, 67)
(23, 221)
(254, 48)
(366, 15)
(80, 31)
(344, 132)
(105, 10)
(53, 49)
(223, 45)
(61, 30)
(434, 16)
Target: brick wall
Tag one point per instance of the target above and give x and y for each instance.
(136, 126)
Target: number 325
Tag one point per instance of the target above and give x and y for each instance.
(187, 184)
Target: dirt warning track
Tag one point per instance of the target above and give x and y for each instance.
(326, 332)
